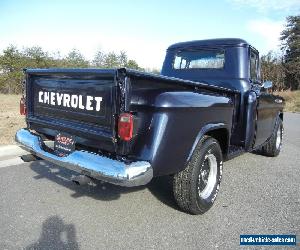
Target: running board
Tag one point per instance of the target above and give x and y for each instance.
(235, 151)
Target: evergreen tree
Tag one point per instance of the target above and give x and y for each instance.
(75, 60)
(290, 38)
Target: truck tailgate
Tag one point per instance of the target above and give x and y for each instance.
(78, 101)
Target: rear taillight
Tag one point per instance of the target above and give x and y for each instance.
(125, 126)
(22, 106)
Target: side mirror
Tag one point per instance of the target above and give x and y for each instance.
(267, 85)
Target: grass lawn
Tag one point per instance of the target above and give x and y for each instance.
(11, 120)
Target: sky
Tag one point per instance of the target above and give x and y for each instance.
(144, 29)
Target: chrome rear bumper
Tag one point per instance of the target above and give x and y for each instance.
(96, 166)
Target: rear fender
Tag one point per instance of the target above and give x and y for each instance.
(205, 130)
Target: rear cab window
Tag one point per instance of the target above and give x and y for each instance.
(199, 59)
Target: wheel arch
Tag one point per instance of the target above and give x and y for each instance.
(218, 131)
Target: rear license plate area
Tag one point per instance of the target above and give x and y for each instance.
(64, 144)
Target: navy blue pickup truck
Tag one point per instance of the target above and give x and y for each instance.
(126, 127)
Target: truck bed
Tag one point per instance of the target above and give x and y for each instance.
(57, 101)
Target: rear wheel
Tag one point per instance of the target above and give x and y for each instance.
(196, 187)
(273, 146)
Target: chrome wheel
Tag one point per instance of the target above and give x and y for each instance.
(208, 176)
(278, 138)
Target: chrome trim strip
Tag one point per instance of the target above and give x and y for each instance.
(93, 165)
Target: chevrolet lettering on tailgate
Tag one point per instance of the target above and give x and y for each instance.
(71, 101)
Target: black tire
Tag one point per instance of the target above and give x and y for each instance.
(190, 191)
(273, 146)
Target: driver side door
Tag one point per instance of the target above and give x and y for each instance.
(266, 110)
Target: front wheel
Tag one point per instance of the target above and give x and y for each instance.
(196, 187)
(273, 146)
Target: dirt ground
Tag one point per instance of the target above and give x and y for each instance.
(10, 118)
(292, 100)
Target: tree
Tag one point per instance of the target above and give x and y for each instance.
(290, 38)
(36, 57)
(98, 60)
(273, 70)
(111, 60)
(13, 61)
(11, 64)
(75, 59)
(123, 59)
(132, 64)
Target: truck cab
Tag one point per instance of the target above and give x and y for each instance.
(233, 64)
